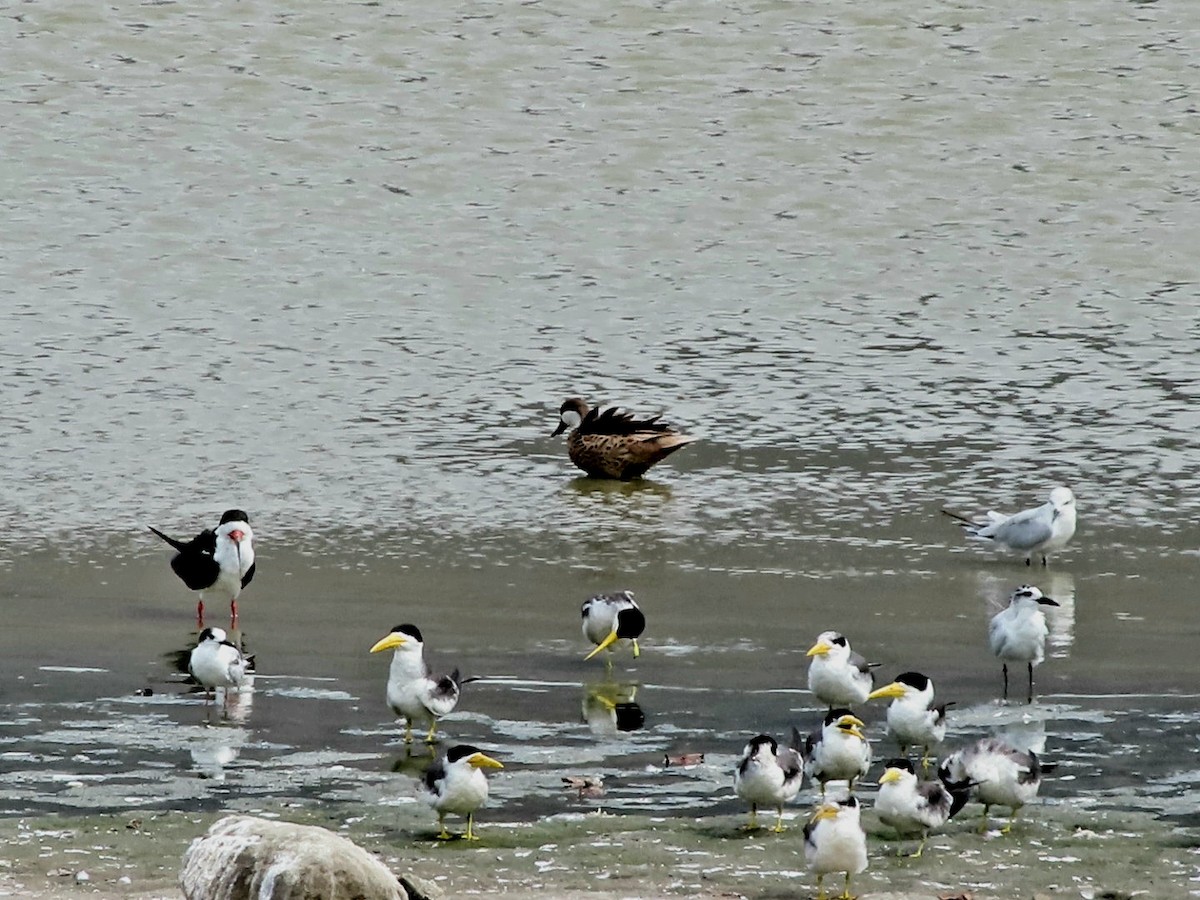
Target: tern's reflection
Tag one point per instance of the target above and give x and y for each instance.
(1061, 618)
(610, 707)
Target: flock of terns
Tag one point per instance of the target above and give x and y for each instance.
(219, 563)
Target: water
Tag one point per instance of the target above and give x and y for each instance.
(339, 268)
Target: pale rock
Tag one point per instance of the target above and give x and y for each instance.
(247, 858)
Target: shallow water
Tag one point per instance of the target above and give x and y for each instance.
(341, 272)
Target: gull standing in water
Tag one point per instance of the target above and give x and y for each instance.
(911, 716)
(608, 618)
(837, 676)
(769, 776)
(834, 841)
(1000, 774)
(1039, 531)
(1018, 632)
(413, 691)
(217, 563)
(911, 807)
(454, 784)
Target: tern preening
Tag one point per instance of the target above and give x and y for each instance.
(913, 807)
(999, 773)
(839, 751)
(609, 618)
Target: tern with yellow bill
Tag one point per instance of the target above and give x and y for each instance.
(839, 751)
(913, 807)
(609, 618)
(837, 676)
(912, 718)
(768, 775)
(455, 785)
(413, 691)
(834, 841)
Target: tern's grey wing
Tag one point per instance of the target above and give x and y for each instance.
(860, 663)
(791, 762)
(1024, 531)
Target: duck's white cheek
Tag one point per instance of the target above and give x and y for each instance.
(570, 418)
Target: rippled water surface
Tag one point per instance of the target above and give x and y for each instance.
(338, 265)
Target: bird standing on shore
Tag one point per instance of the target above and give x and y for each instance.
(218, 563)
(912, 807)
(837, 676)
(834, 841)
(769, 776)
(1000, 775)
(1039, 531)
(1018, 632)
(608, 618)
(215, 662)
(911, 716)
(614, 444)
(413, 691)
(839, 751)
(454, 784)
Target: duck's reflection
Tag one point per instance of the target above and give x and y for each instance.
(610, 707)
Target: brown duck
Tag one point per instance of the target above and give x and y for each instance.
(614, 444)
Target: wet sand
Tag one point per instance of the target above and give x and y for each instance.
(1054, 851)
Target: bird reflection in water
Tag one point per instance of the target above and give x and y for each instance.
(610, 707)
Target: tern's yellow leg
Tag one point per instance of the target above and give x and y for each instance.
(1009, 824)
(443, 834)
(920, 846)
(845, 894)
(429, 738)
(778, 829)
(470, 835)
(753, 823)
(408, 731)
(983, 822)
(821, 895)
(637, 651)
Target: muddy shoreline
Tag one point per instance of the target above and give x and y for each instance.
(1055, 850)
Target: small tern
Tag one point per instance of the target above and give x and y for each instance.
(839, 751)
(216, 662)
(1018, 632)
(1039, 531)
(767, 775)
(837, 676)
(454, 784)
(834, 841)
(413, 691)
(999, 773)
(608, 618)
(912, 718)
(913, 807)
(218, 563)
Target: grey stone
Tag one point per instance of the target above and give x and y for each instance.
(247, 858)
(421, 888)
